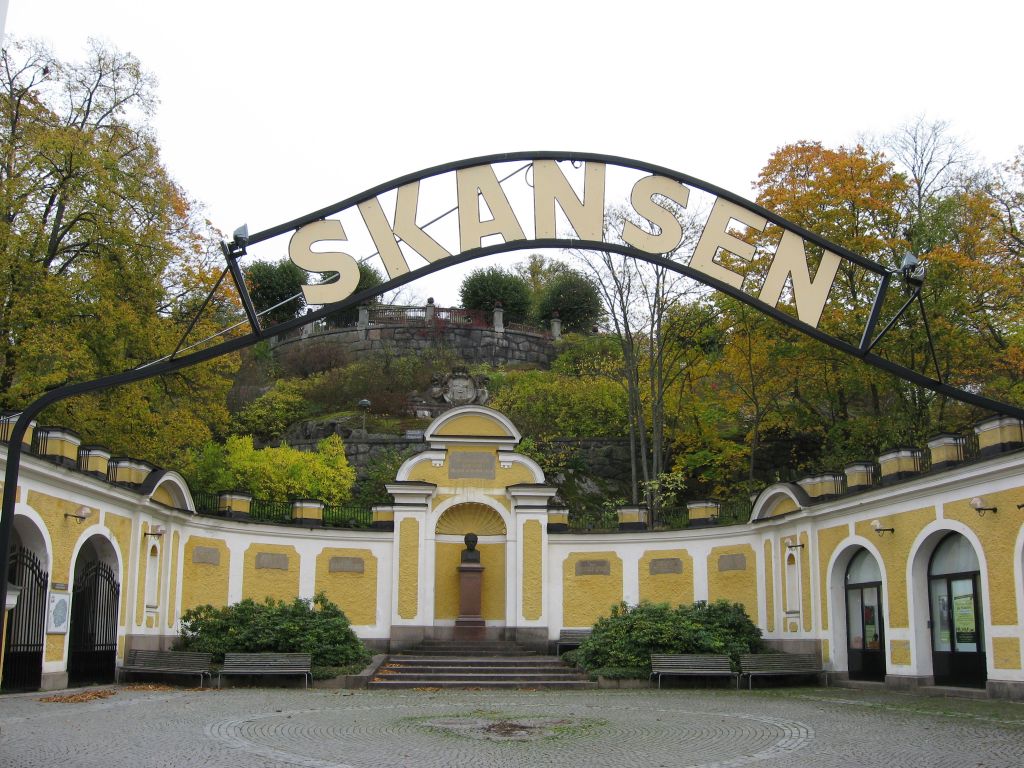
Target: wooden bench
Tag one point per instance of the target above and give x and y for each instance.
(267, 664)
(760, 664)
(692, 665)
(570, 638)
(168, 663)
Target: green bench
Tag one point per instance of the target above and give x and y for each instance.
(692, 665)
(267, 664)
(764, 664)
(168, 663)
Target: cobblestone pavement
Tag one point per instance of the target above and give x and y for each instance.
(277, 728)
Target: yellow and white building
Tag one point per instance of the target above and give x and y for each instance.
(914, 578)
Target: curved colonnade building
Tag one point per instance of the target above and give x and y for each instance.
(914, 578)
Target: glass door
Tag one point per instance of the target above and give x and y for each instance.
(865, 635)
(958, 655)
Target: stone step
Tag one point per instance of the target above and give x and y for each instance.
(473, 677)
(486, 664)
(493, 661)
(474, 670)
(566, 685)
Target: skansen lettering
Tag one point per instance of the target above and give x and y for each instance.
(653, 198)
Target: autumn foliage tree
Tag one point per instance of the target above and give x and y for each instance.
(104, 258)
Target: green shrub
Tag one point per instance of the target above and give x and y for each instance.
(316, 626)
(576, 300)
(628, 637)
(483, 288)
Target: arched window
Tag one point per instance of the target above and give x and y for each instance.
(153, 577)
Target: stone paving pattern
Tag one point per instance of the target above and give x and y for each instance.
(279, 727)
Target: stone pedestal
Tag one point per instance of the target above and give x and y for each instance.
(470, 623)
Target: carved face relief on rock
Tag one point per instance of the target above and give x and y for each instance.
(460, 389)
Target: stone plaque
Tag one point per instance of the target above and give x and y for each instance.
(271, 560)
(345, 565)
(206, 556)
(593, 568)
(732, 562)
(474, 465)
(660, 565)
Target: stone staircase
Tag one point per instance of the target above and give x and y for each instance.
(476, 664)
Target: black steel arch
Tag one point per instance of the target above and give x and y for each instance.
(237, 247)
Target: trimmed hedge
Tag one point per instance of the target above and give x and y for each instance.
(628, 637)
(316, 626)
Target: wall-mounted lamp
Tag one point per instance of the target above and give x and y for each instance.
(877, 526)
(979, 505)
(156, 530)
(80, 514)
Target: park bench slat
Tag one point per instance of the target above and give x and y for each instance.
(267, 664)
(168, 663)
(571, 638)
(759, 664)
(693, 665)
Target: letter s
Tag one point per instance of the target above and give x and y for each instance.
(302, 255)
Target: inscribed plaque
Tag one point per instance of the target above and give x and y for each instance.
(474, 465)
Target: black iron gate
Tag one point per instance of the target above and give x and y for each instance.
(93, 643)
(26, 626)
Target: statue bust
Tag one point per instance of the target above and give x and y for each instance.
(471, 554)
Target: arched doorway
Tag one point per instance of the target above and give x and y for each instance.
(27, 568)
(954, 597)
(865, 630)
(92, 649)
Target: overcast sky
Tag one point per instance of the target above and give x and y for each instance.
(270, 110)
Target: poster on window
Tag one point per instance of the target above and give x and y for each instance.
(963, 619)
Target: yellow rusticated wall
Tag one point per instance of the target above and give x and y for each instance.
(205, 583)
(408, 567)
(585, 599)
(998, 544)
(769, 587)
(172, 599)
(447, 556)
(355, 593)
(895, 549)
(533, 570)
(261, 583)
(828, 540)
(1006, 652)
(672, 588)
(734, 586)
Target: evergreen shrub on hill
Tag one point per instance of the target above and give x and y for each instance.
(317, 627)
(627, 638)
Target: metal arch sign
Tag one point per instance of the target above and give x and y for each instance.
(719, 258)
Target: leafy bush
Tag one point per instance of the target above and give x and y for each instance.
(269, 415)
(547, 405)
(576, 300)
(483, 288)
(628, 637)
(316, 626)
(275, 474)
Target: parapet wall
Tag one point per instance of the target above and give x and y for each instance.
(474, 337)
